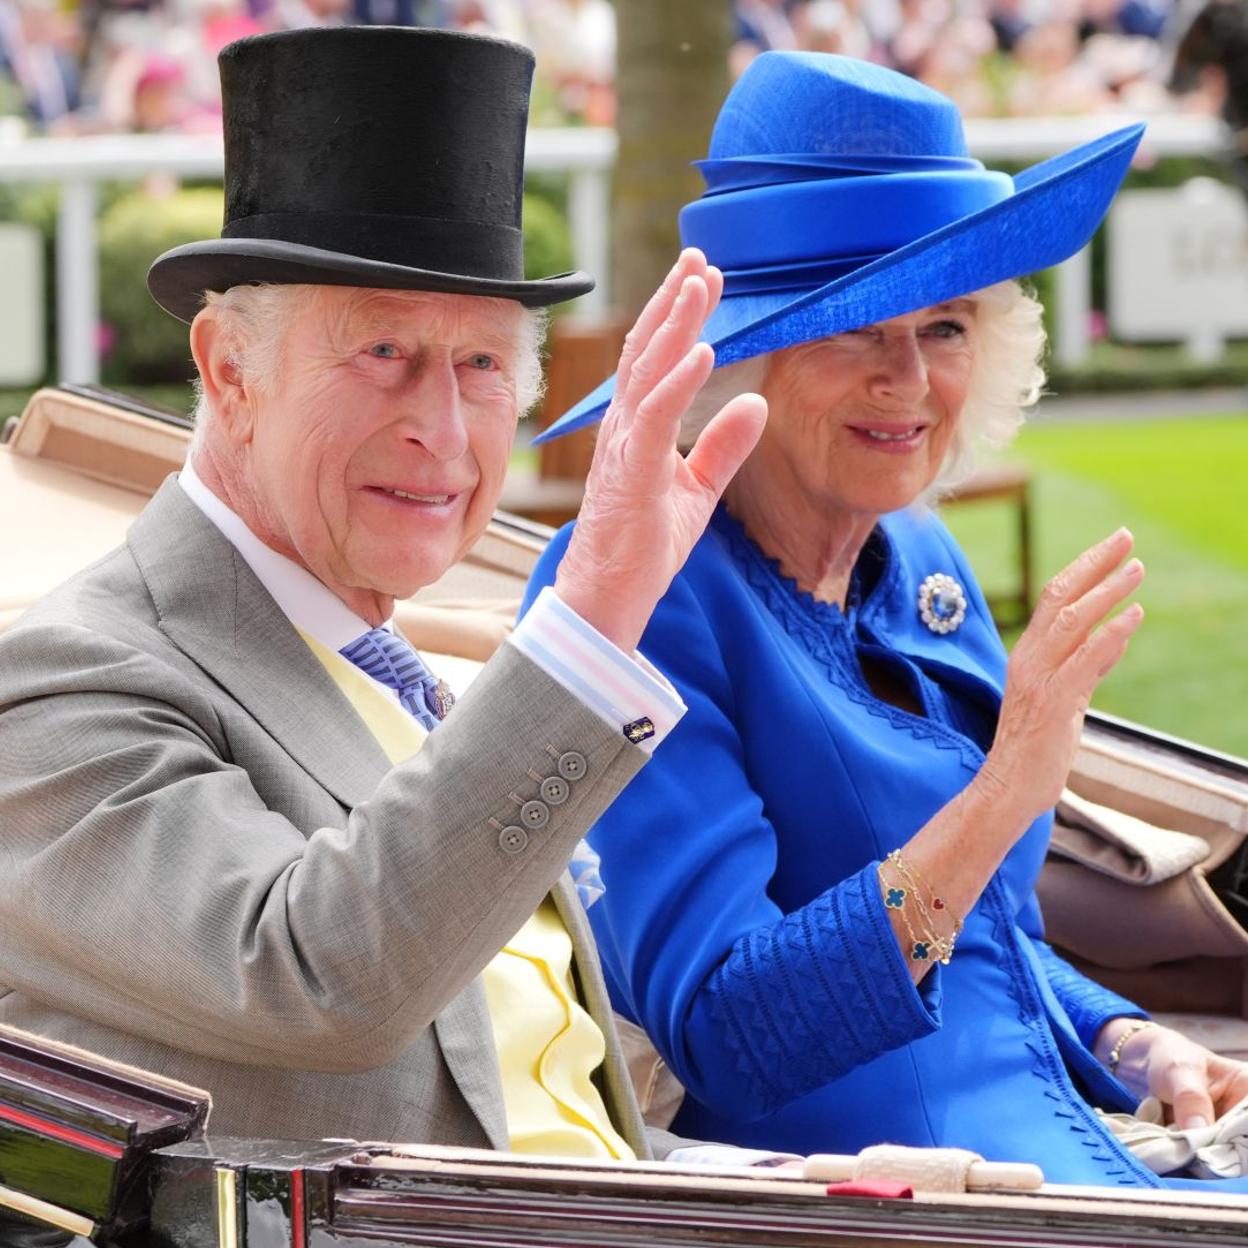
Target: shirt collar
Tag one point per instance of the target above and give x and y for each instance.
(307, 603)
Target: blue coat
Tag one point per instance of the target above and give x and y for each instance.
(743, 927)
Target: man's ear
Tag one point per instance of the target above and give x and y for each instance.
(221, 378)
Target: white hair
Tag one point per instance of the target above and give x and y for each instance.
(254, 320)
(1006, 378)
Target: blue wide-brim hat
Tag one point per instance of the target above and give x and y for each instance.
(839, 194)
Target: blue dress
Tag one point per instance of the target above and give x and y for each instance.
(742, 924)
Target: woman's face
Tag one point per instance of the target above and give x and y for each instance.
(863, 421)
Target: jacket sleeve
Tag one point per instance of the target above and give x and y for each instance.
(750, 1007)
(145, 885)
(1088, 1004)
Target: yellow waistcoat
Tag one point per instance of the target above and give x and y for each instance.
(548, 1046)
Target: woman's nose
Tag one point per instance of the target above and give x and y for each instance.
(901, 369)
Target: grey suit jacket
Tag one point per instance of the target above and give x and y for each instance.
(208, 867)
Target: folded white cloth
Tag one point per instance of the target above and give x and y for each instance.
(1121, 845)
(1218, 1151)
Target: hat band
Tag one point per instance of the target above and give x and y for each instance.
(738, 173)
(798, 222)
(791, 278)
(466, 248)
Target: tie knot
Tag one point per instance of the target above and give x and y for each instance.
(388, 658)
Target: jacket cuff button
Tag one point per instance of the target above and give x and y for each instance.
(572, 766)
(555, 790)
(534, 815)
(513, 839)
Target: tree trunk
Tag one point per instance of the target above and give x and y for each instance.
(671, 78)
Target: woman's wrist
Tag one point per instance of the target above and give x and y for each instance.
(1120, 1050)
(993, 803)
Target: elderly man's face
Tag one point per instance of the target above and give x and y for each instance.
(378, 455)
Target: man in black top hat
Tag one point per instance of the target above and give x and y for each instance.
(241, 847)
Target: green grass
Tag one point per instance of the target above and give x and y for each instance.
(1180, 485)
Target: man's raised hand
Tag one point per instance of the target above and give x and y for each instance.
(645, 503)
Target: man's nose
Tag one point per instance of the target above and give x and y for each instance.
(901, 371)
(432, 412)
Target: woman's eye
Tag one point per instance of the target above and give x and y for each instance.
(384, 351)
(482, 361)
(947, 329)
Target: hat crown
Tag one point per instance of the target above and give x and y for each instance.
(821, 104)
(375, 120)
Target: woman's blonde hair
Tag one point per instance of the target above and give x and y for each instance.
(1006, 379)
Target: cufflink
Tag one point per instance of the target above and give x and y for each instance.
(639, 730)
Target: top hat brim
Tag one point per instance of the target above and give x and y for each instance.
(179, 279)
(1056, 207)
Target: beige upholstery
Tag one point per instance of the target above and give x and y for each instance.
(77, 471)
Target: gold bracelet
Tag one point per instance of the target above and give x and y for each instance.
(911, 875)
(942, 945)
(895, 896)
(1115, 1054)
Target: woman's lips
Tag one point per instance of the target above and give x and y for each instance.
(891, 439)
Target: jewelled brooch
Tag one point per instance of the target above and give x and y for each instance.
(942, 603)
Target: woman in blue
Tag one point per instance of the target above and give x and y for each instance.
(819, 893)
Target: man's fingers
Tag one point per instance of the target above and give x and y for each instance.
(654, 429)
(691, 262)
(723, 445)
(670, 342)
(1074, 580)
(715, 287)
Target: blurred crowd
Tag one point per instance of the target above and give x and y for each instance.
(89, 66)
(997, 58)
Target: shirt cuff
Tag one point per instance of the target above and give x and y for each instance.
(728, 1155)
(625, 690)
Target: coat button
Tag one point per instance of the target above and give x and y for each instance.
(572, 765)
(535, 814)
(555, 791)
(513, 839)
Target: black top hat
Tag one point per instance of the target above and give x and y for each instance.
(369, 156)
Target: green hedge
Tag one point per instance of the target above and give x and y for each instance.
(144, 344)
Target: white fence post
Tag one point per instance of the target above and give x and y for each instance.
(1073, 303)
(77, 283)
(589, 215)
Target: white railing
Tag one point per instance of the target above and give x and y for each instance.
(586, 155)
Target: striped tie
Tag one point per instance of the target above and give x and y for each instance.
(388, 658)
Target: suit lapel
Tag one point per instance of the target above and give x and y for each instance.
(465, 1034)
(212, 607)
(592, 988)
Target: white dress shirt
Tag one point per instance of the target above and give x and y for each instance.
(619, 688)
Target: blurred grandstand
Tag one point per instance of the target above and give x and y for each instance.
(109, 66)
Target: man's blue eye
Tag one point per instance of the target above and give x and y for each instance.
(482, 361)
(384, 351)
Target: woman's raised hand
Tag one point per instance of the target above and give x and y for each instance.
(1056, 665)
(646, 504)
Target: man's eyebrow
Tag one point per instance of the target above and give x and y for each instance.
(372, 323)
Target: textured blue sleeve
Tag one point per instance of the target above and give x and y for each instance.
(806, 999)
(751, 1008)
(1088, 1005)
